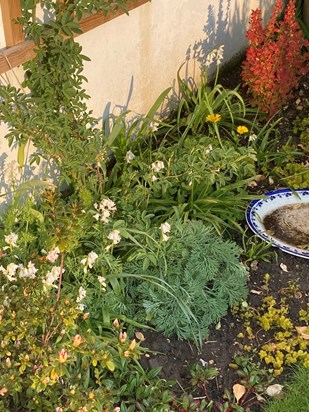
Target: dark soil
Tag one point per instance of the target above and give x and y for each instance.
(285, 270)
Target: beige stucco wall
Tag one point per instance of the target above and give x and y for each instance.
(134, 58)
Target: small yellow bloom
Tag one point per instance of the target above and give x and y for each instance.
(213, 118)
(242, 129)
(54, 375)
(132, 345)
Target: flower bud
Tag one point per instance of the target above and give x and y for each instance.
(63, 356)
(77, 340)
(122, 337)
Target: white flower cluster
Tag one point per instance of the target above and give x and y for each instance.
(52, 276)
(81, 296)
(88, 261)
(105, 209)
(114, 236)
(154, 126)
(129, 156)
(208, 149)
(215, 55)
(156, 167)
(28, 271)
(165, 228)
(12, 271)
(11, 240)
(252, 137)
(102, 281)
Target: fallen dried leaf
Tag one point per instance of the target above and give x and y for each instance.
(140, 336)
(260, 178)
(255, 292)
(303, 331)
(253, 184)
(238, 391)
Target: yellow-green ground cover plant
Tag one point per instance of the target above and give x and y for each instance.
(136, 230)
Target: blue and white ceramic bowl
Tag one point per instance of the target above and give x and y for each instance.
(259, 208)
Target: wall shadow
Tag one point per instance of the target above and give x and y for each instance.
(226, 27)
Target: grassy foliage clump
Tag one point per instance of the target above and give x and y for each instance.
(296, 396)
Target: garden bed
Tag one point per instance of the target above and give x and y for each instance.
(288, 278)
(145, 228)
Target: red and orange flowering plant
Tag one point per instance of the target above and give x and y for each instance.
(276, 57)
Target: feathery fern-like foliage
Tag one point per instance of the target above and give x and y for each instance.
(205, 275)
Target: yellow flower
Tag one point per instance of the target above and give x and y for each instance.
(132, 344)
(242, 129)
(213, 118)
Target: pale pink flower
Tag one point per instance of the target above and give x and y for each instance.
(52, 255)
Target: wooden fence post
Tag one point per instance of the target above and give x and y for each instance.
(13, 32)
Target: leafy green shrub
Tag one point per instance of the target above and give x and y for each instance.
(50, 354)
(198, 179)
(205, 276)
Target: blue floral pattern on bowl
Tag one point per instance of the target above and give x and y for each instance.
(259, 208)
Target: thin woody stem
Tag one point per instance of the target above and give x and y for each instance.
(50, 333)
(60, 279)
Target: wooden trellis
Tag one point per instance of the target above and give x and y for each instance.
(18, 50)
